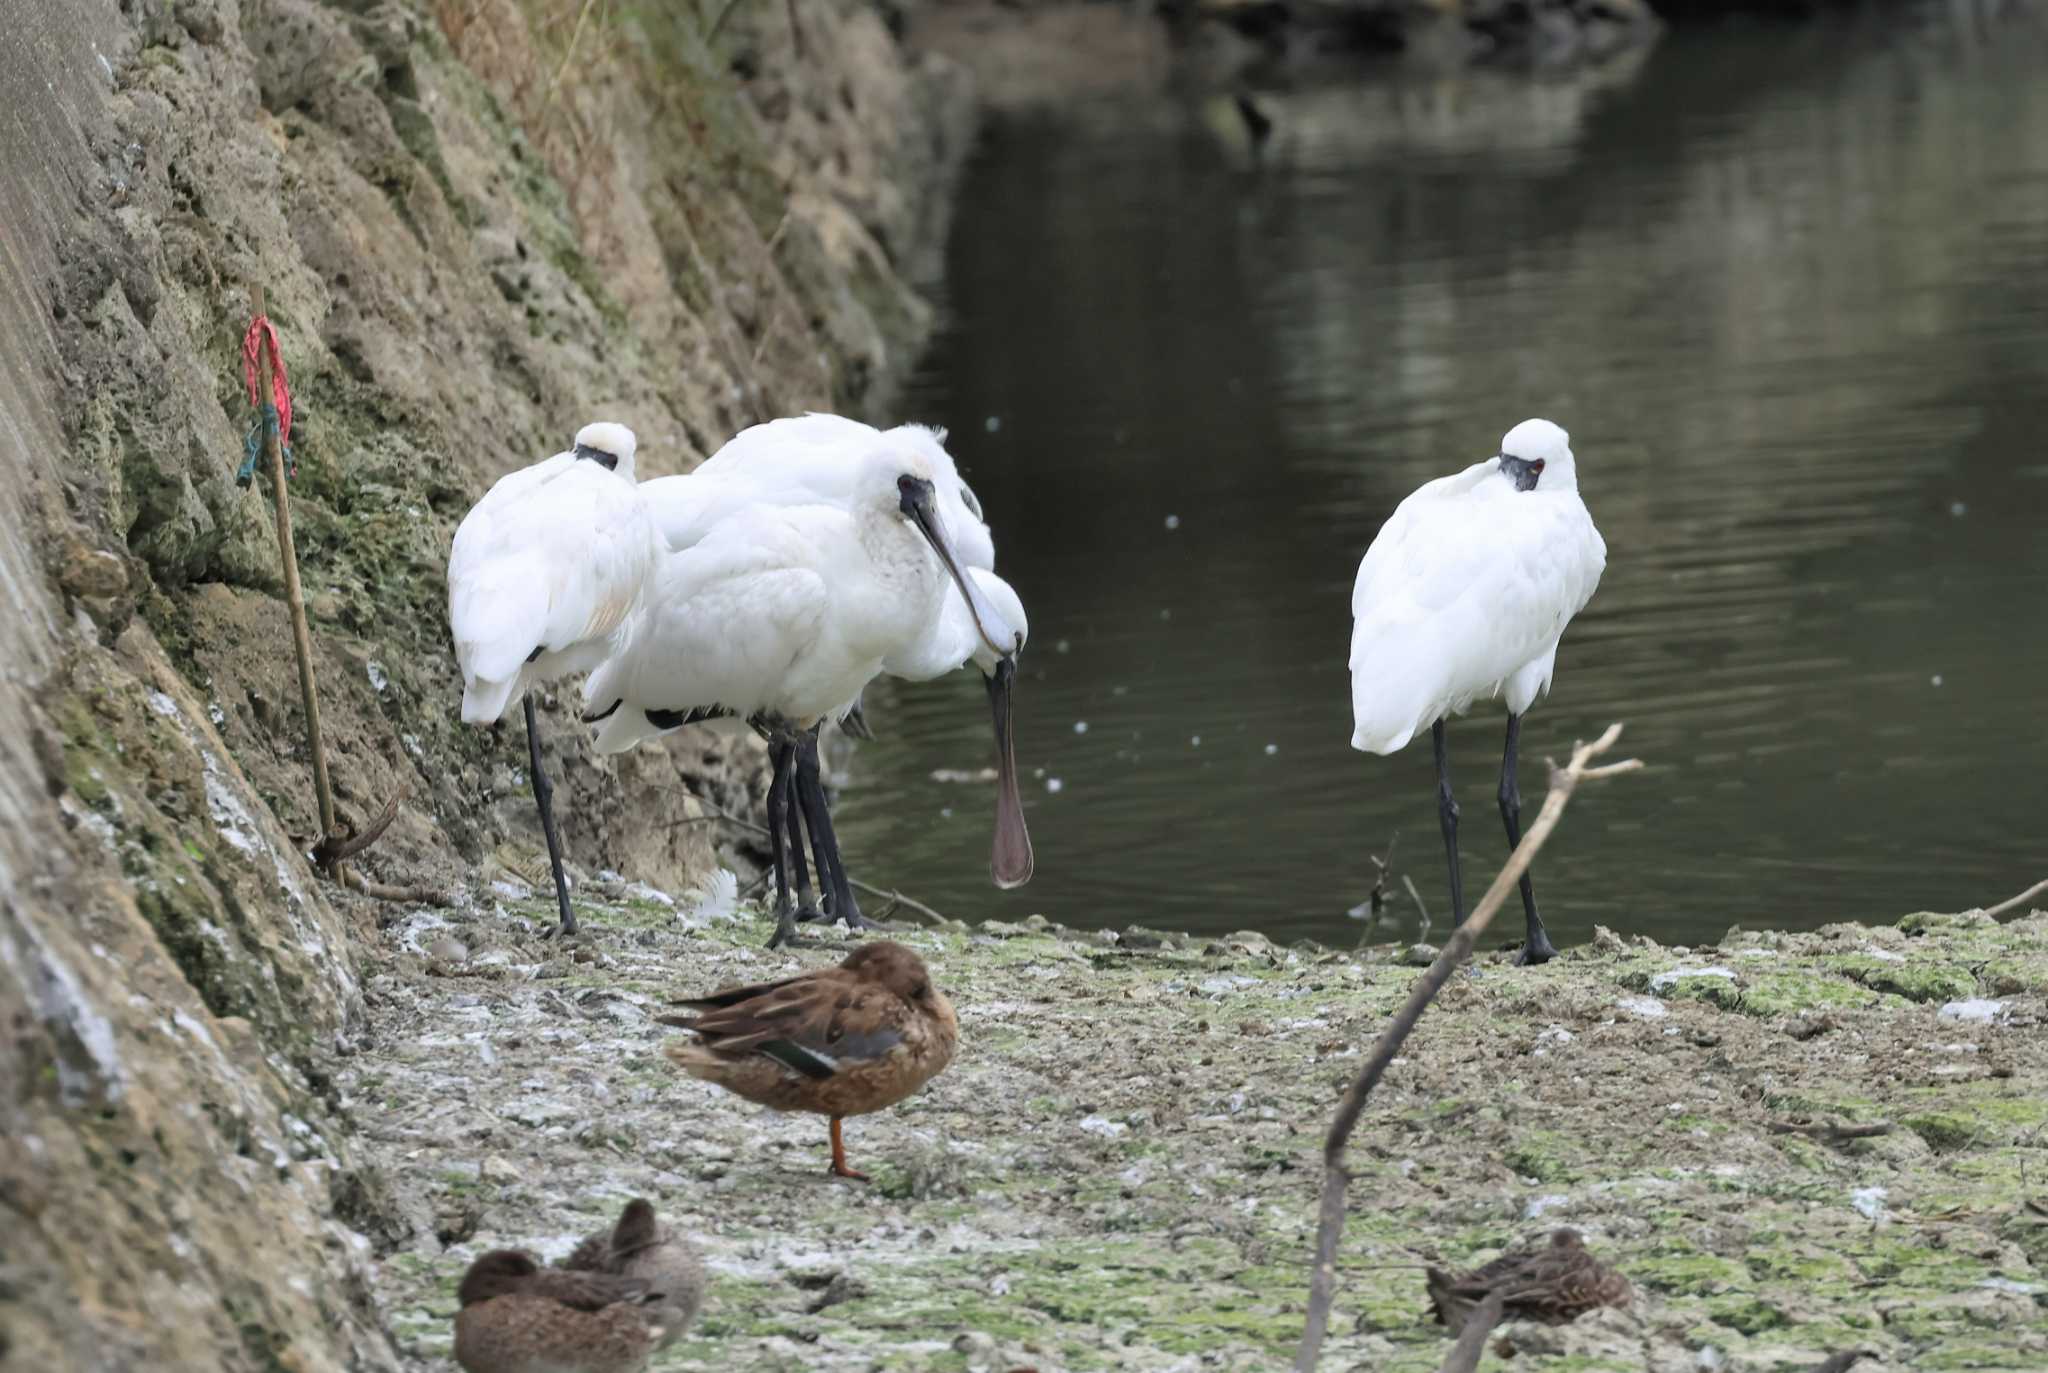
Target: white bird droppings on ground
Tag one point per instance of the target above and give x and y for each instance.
(1666, 980)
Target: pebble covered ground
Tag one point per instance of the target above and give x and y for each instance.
(1120, 1169)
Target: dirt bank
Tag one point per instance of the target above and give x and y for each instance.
(479, 225)
(1120, 1169)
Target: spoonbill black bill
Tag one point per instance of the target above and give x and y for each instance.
(543, 574)
(1463, 596)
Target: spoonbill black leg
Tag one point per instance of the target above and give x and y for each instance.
(820, 857)
(806, 901)
(781, 755)
(832, 877)
(1536, 945)
(1447, 812)
(544, 797)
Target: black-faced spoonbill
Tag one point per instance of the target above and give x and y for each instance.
(1464, 594)
(814, 459)
(780, 614)
(544, 572)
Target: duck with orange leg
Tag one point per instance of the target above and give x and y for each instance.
(842, 1041)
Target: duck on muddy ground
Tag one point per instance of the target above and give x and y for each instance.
(1555, 1282)
(640, 1247)
(518, 1317)
(842, 1041)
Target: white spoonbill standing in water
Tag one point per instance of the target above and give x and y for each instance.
(544, 571)
(1464, 595)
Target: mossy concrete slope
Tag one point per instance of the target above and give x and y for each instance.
(1120, 1169)
(479, 225)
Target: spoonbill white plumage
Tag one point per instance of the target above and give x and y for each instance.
(806, 459)
(814, 458)
(1464, 594)
(779, 614)
(542, 575)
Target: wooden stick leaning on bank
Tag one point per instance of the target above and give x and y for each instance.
(332, 847)
(1330, 1214)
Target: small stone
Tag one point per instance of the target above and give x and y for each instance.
(500, 1171)
(84, 570)
(974, 1344)
(1420, 955)
(448, 949)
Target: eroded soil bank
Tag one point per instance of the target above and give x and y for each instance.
(1119, 1171)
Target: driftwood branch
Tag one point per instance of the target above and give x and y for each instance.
(333, 848)
(379, 891)
(2028, 895)
(1832, 1132)
(1471, 1346)
(1330, 1213)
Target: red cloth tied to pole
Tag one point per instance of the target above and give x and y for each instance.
(262, 331)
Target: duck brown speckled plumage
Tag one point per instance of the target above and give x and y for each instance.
(839, 1042)
(1555, 1282)
(641, 1247)
(518, 1317)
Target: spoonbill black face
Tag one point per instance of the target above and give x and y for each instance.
(607, 445)
(1010, 858)
(917, 499)
(1523, 472)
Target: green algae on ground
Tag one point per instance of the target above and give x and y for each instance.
(1120, 1169)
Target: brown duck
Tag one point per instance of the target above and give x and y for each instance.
(641, 1247)
(1554, 1283)
(840, 1042)
(518, 1317)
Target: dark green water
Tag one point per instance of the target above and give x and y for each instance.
(1788, 290)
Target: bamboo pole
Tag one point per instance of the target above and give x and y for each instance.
(302, 638)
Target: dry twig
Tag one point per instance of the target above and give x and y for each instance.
(576, 33)
(379, 891)
(332, 848)
(1465, 1354)
(1330, 1218)
(1831, 1132)
(2028, 895)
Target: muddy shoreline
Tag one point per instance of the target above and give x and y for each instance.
(1119, 1171)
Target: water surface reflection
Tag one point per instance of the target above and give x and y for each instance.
(1788, 288)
